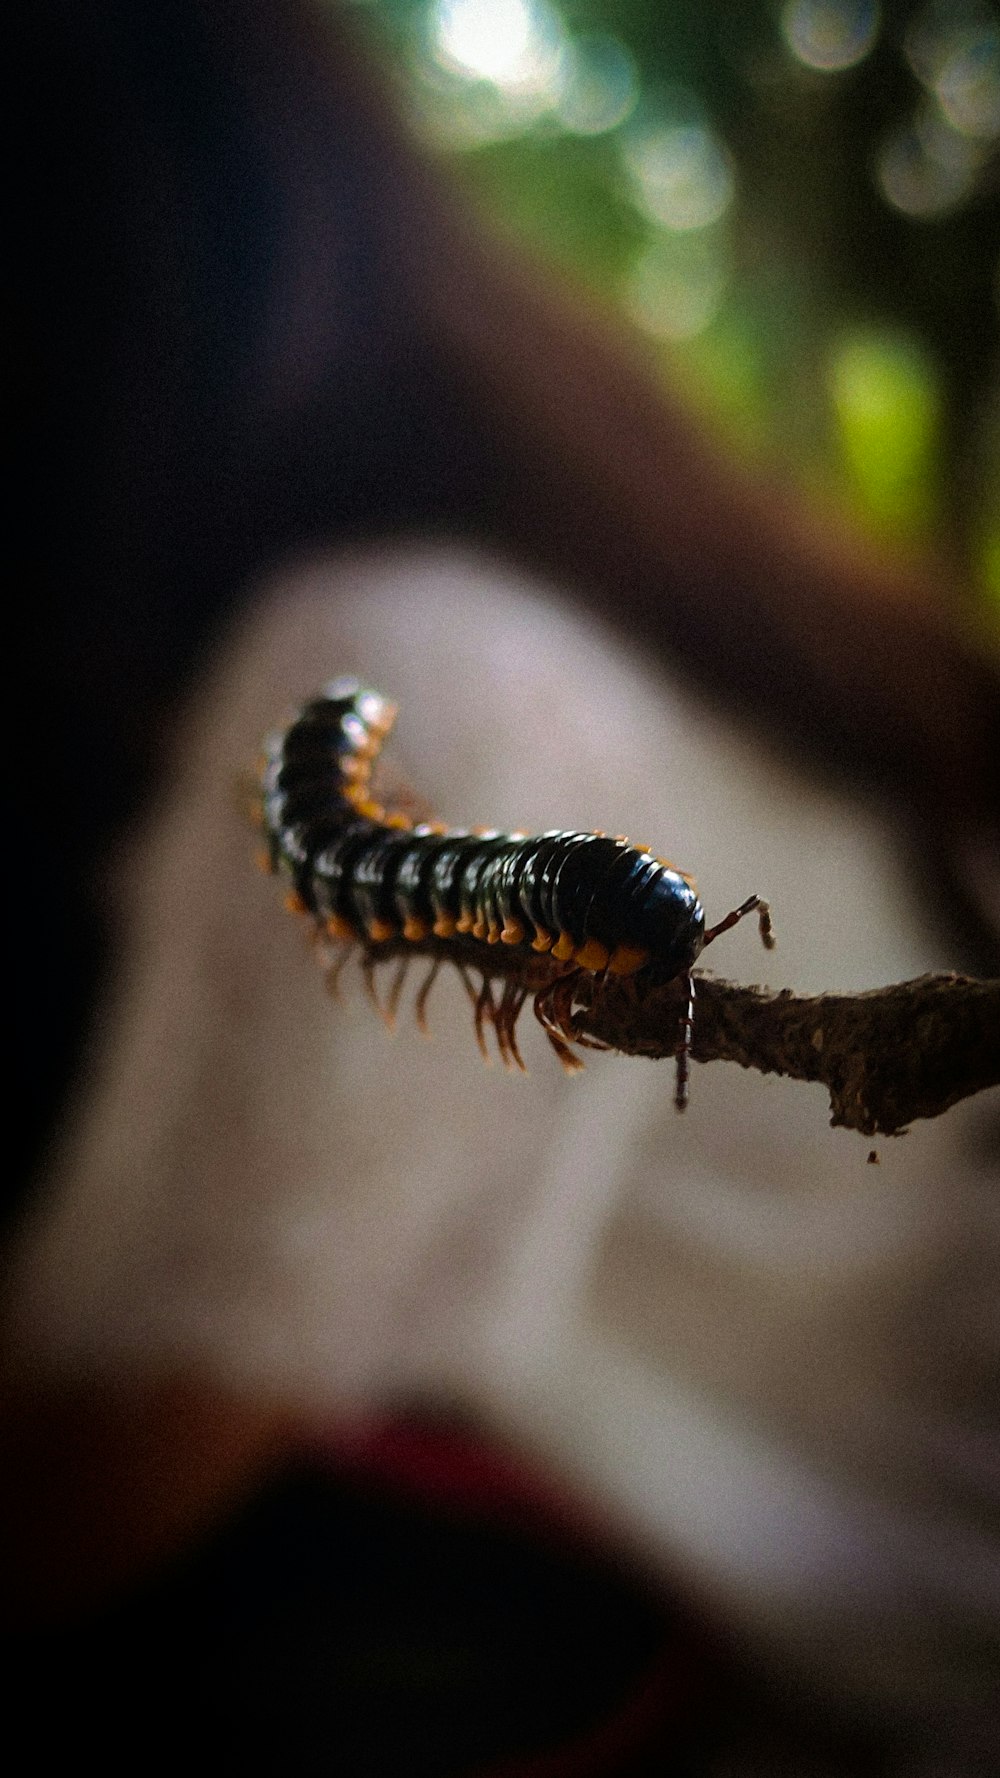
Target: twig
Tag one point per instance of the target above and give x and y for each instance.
(886, 1056)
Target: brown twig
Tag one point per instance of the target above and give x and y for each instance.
(886, 1057)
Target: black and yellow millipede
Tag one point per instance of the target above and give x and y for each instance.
(530, 912)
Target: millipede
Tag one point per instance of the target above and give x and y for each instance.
(529, 914)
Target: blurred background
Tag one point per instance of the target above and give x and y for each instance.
(796, 201)
(256, 331)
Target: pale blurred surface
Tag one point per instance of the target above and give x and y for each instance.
(770, 1366)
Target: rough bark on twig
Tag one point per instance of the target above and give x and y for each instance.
(886, 1057)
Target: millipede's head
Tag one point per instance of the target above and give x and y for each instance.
(661, 914)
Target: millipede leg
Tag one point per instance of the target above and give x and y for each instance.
(467, 984)
(476, 995)
(555, 1020)
(684, 1045)
(517, 1002)
(511, 1002)
(540, 1008)
(392, 1004)
(485, 1009)
(562, 1004)
(368, 972)
(335, 970)
(500, 1028)
(571, 1063)
(420, 1006)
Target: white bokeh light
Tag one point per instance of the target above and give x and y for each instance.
(926, 169)
(601, 86)
(516, 44)
(935, 163)
(677, 286)
(967, 86)
(830, 35)
(682, 175)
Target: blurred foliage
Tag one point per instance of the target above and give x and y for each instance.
(797, 200)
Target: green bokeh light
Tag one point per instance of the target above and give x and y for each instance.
(887, 409)
(817, 268)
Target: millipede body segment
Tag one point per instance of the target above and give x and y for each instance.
(532, 911)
